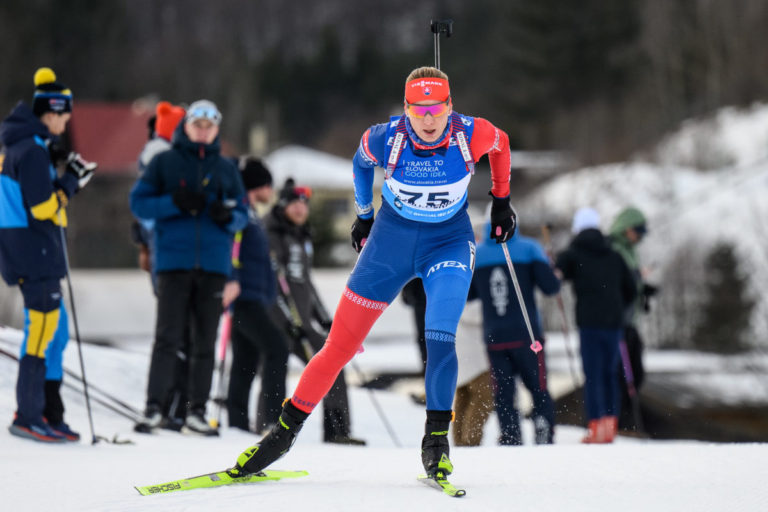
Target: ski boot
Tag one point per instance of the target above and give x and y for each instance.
(274, 445)
(434, 446)
(544, 433)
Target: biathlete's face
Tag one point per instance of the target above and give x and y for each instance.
(429, 118)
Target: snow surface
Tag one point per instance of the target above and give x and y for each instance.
(630, 475)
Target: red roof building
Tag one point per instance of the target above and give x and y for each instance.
(110, 134)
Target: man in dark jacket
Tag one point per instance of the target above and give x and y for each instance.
(197, 200)
(33, 250)
(506, 335)
(303, 314)
(603, 286)
(255, 336)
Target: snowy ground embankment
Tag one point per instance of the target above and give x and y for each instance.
(631, 475)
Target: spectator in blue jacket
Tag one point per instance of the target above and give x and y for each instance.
(252, 291)
(162, 125)
(196, 198)
(33, 251)
(506, 335)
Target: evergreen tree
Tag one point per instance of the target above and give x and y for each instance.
(727, 306)
(559, 54)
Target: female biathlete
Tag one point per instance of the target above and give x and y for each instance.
(422, 230)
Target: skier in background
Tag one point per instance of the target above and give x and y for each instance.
(422, 230)
(32, 250)
(300, 309)
(506, 335)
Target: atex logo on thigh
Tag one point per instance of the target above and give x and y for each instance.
(446, 264)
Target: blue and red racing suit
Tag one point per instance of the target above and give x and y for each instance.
(422, 230)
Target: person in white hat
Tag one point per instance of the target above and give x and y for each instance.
(603, 286)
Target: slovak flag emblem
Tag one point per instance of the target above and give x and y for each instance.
(427, 91)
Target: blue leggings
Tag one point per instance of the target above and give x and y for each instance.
(54, 354)
(600, 359)
(442, 255)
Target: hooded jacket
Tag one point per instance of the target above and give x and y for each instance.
(292, 253)
(602, 282)
(503, 322)
(32, 197)
(184, 241)
(628, 218)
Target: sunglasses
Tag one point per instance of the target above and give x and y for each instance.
(436, 110)
(209, 113)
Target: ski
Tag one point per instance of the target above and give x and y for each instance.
(440, 481)
(216, 479)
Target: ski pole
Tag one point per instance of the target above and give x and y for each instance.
(535, 345)
(71, 386)
(309, 352)
(92, 387)
(94, 440)
(629, 377)
(561, 306)
(378, 408)
(440, 27)
(226, 333)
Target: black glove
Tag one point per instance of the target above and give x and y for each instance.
(80, 168)
(221, 211)
(360, 231)
(647, 291)
(326, 324)
(188, 200)
(503, 219)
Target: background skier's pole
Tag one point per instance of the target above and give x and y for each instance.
(629, 377)
(379, 410)
(561, 307)
(220, 399)
(94, 440)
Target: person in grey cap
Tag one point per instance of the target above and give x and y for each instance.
(196, 199)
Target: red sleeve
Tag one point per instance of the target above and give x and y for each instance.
(486, 138)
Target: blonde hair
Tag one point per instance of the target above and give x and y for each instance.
(426, 72)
